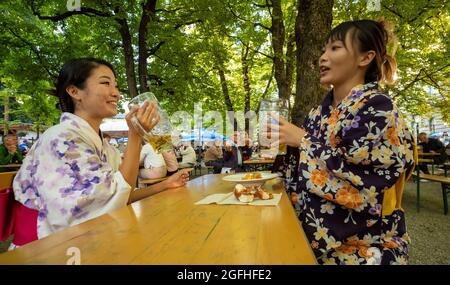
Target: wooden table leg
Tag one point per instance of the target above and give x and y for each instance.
(444, 196)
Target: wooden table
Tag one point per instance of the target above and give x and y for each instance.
(168, 228)
(428, 154)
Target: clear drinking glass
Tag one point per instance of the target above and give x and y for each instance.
(277, 107)
(160, 137)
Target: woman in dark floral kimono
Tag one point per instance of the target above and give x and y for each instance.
(345, 168)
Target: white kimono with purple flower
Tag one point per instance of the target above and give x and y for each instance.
(70, 175)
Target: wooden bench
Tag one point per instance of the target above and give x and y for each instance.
(209, 169)
(445, 184)
(427, 161)
(446, 167)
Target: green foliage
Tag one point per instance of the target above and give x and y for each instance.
(422, 28)
(188, 41)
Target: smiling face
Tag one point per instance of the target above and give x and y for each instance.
(339, 62)
(99, 97)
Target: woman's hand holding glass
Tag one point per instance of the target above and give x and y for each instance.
(285, 132)
(160, 134)
(147, 115)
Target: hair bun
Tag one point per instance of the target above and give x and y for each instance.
(388, 30)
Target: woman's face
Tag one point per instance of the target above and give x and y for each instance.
(338, 63)
(100, 96)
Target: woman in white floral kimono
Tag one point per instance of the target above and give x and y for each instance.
(71, 174)
(346, 166)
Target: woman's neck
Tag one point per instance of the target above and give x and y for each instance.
(342, 90)
(93, 122)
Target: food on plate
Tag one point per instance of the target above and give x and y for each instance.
(252, 175)
(249, 193)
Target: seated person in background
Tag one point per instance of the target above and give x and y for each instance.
(188, 154)
(246, 149)
(232, 155)
(23, 148)
(214, 156)
(10, 152)
(430, 145)
(107, 138)
(445, 139)
(157, 165)
(154, 165)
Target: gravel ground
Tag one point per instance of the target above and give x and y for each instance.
(429, 229)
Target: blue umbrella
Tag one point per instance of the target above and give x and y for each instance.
(205, 135)
(437, 135)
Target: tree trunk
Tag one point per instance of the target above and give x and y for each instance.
(247, 89)
(278, 45)
(290, 55)
(148, 9)
(128, 55)
(6, 113)
(313, 23)
(226, 95)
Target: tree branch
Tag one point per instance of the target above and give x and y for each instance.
(35, 51)
(248, 21)
(393, 11)
(83, 11)
(168, 11)
(165, 60)
(155, 48)
(253, 49)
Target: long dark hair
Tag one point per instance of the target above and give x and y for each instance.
(75, 72)
(370, 35)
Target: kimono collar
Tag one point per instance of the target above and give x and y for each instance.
(355, 93)
(82, 127)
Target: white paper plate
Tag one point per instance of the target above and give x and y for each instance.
(238, 177)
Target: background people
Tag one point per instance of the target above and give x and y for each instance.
(10, 152)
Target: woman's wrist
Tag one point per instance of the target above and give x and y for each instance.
(135, 139)
(298, 137)
(301, 141)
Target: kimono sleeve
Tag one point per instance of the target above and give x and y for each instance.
(73, 181)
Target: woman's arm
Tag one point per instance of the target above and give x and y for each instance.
(178, 179)
(148, 117)
(373, 150)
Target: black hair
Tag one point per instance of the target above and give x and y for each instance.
(370, 35)
(75, 72)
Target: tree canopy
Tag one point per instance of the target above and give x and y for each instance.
(226, 54)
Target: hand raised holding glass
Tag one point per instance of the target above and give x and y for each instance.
(160, 133)
(271, 110)
(285, 132)
(143, 119)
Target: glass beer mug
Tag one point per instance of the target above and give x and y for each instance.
(278, 108)
(160, 137)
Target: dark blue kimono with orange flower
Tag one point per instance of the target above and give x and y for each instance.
(345, 179)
